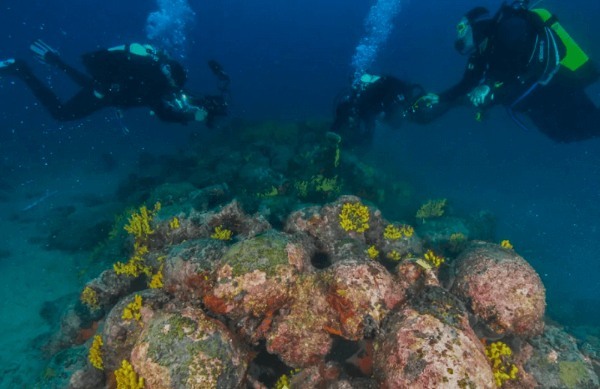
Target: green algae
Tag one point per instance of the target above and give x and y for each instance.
(264, 252)
(184, 345)
(573, 374)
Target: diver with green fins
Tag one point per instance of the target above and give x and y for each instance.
(522, 58)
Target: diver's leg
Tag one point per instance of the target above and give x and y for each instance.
(577, 115)
(40, 90)
(563, 113)
(48, 55)
(79, 106)
(83, 104)
(80, 78)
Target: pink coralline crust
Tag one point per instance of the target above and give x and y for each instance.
(155, 375)
(254, 293)
(185, 279)
(317, 376)
(322, 225)
(297, 256)
(420, 351)
(367, 288)
(502, 288)
(299, 335)
(307, 220)
(193, 361)
(232, 217)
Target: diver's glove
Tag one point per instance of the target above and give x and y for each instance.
(429, 100)
(200, 114)
(481, 95)
(423, 103)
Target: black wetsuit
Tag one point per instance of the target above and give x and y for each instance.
(512, 59)
(116, 79)
(386, 99)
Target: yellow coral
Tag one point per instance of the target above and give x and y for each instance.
(139, 227)
(392, 232)
(506, 244)
(95, 354)
(90, 298)
(127, 378)
(139, 222)
(132, 310)
(354, 217)
(284, 381)
(156, 282)
(318, 183)
(394, 255)
(136, 264)
(458, 238)
(433, 259)
(301, 188)
(432, 208)
(336, 160)
(327, 185)
(500, 358)
(174, 224)
(372, 252)
(269, 193)
(221, 233)
(407, 231)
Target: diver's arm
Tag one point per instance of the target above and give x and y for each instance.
(167, 114)
(180, 108)
(471, 78)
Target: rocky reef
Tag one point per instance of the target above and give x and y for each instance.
(269, 276)
(313, 304)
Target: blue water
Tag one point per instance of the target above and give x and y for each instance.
(288, 61)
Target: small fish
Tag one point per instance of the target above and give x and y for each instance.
(40, 200)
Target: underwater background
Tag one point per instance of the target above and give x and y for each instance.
(288, 62)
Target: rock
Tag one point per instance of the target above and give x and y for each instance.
(361, 293)
(429, 344)
(322, 225)
(556, 362)
(188, 267)
(299, 334)
(501, 289)
(184, 348)
(255, 279)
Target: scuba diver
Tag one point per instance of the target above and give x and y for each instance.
(523, 59)
(373, 98)
(125, 76)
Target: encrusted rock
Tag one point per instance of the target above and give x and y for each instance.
(556, 362)
(299, 335)
(186, 349)
(429, 344)
(255, 279)
(501, 289)
(361, 293)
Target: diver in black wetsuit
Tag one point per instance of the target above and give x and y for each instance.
(373, 98)
(133, 75)
(523, 59)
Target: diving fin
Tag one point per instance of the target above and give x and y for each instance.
(43, 52)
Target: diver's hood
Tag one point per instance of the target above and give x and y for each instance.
(482, 29)
(481, 22)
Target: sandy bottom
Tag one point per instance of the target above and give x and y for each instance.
(32, 276)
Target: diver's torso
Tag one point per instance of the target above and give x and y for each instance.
(127, 80)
